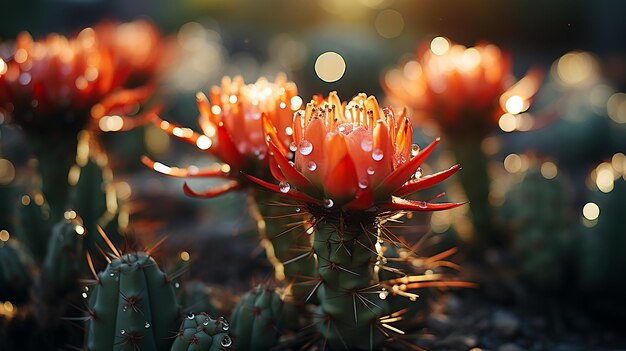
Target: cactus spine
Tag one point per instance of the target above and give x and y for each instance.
(132, 306)
(258, 319)
(202, 333)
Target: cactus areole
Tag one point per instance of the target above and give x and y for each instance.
(353, 163)
(132, 306)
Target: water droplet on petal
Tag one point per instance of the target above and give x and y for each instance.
(311, 166)
(370, 171)
(418, 173)
(363, 184)
(414, 150)
(328, 203)
(293, 147)
(147, 325)
(306, 147)
(377, 155)
(226, 342)
(366, 145)
(284, 187)
(190, 315)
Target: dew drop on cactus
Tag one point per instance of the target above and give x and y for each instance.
(306, 147)
(284, 187)
(414, 150)
(191, 316)
(311, 166)
(328, 203)
(226, 342)
(147, 325)
(377, 155)
(418, 173)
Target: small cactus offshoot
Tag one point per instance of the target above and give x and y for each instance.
(202, 333)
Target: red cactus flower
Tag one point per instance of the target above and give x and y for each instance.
(353, 157)
(464, 90)
(232, 125)
(56, 83)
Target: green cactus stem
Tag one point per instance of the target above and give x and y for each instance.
(537, 211)
(35, 225)
(258, 319)
(15, 278)
(202, 333)
(55, 156)
(132, 306)
(93, 197)
(287, 246)
(64, 260)
(349, 308)
(475, 181)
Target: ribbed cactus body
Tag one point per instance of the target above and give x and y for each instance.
(346, 252)
(289, 251)
(64, 259)
(35, 225)
(600, 249)
(15, 279)
(200, 332)
(537, 211)
(92, 197)
(258, 319)
(133, 306)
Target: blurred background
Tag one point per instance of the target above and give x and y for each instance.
(574, 133)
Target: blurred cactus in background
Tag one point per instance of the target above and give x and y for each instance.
(55, 87)
(601, 239)
(464, 92)
(15, 270)
(538, 212)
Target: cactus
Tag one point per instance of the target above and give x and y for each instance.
(346, 257)
(132, 306)
(93, 197)
(63, 263)
(34, 229)
(15, 279)
(258, 319)
(537, 211)
(601, 244)
(290, 253)
(200, 332)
